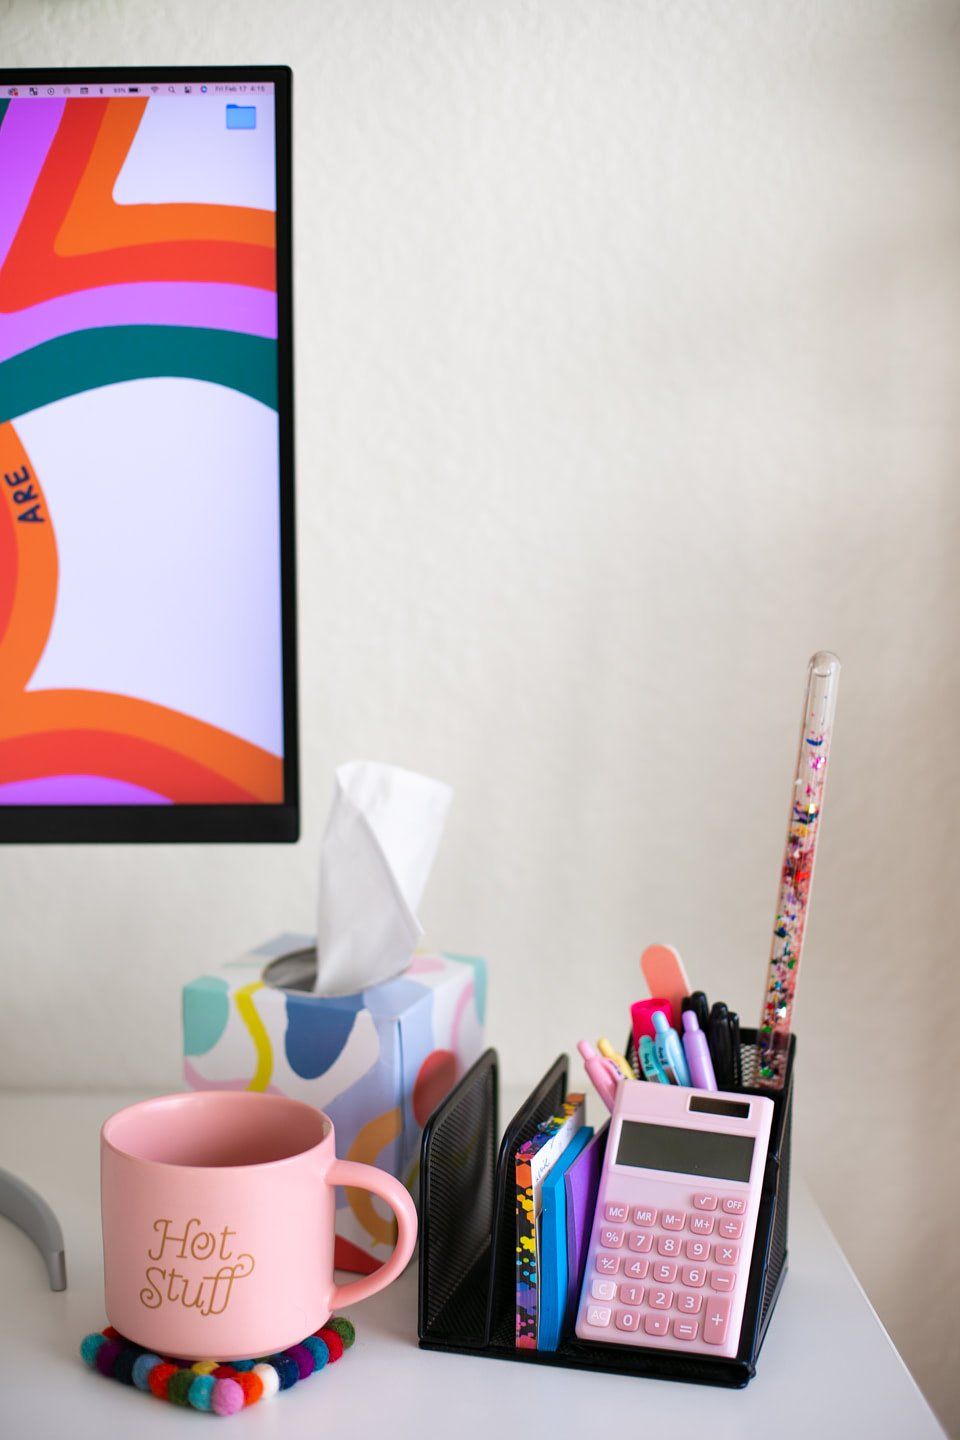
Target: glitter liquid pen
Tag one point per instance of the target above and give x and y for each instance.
(796, 876)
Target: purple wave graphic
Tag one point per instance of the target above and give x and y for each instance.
(25, 137)
(242, 308)
(77, 790)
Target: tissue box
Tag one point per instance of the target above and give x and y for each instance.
(378, 1062)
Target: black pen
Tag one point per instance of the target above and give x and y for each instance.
(718, 1039)
(697, 1002)
(734, 1020)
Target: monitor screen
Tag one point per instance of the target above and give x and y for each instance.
(147, 649)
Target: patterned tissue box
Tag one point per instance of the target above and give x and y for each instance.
(378, 1062)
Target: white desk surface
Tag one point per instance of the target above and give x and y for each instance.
(827, 1367)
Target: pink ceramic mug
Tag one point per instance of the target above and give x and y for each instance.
(218, 1223)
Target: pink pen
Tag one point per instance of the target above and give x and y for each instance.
(598, 1074)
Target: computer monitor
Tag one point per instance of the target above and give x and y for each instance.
(147, 626)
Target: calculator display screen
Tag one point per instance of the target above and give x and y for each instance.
(692, 1152)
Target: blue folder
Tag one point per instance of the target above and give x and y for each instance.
(552, 1245)
(241, 117)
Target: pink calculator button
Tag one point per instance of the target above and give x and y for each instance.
(703, 1201)
(722, 1280)
(730, 1229)
(672, 1219)
(726, 1254)
(735, 1207)
(598, 1314)
(644, 1216)
(715, 1320)
(697, 1249)
(660, 1299)
(689, 1302)
(685, 1329)
(611, 1238)
(693, 1275)
(656, 1324)
(617, 1213)
(664, 1272)
(636, 1269)
(641, 1241)
(608, 1264)
(602, 1289)
(702, 1224)
(668, 1245)
(627, 1320)
(631, 1294)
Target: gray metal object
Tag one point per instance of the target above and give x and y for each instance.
(29, 1211)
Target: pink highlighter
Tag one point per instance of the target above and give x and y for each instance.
(641, 1014)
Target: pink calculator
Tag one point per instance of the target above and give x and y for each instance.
(675, 1220)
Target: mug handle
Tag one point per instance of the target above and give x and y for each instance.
(368, 1177)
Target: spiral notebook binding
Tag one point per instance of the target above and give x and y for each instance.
(467, 1288)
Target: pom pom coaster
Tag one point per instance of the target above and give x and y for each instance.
(208, 1385)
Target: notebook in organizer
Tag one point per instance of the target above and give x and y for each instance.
(581, 1182)
(533, 1163)
(552, 1248)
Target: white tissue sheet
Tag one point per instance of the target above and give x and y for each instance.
(378, 849)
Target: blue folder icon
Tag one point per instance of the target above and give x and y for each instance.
(241, 117)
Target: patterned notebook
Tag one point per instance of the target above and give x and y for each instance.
(534, 1160)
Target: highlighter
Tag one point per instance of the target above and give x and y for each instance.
(697, 1051)
(641, 1015)
(603, 1082)
(649, 1063)
(608, 1053)
(669, 1051)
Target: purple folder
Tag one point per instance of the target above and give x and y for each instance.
(581, 1182)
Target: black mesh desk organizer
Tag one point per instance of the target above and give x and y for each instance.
(468, 1230)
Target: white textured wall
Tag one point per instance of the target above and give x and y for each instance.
(628, 375)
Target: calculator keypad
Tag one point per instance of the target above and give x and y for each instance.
(690, 1275)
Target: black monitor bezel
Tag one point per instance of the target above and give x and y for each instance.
(159, 824)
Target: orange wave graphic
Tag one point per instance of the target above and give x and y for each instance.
(34, 270)
(51, 732)
(95, 222)
(32, 547)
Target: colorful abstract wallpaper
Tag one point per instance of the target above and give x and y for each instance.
(140, 592)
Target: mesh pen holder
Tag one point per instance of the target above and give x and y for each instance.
(468, 1236)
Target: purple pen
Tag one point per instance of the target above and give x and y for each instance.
(697, 1053)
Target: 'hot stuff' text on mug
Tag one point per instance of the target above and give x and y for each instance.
(208, 1293)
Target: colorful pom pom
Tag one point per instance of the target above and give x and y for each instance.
(332, 1341)
(178, 1387)
(269, 1379)
(287, 1370)
(159, 1378)
(106, 1356)
(344, 1329)
(227, 1397)
(141, 1370)
(224, 1388)
(318, 1350)
(251, 1385)
(302, 1358)
(89, 1346)
(124, 1363)
(200, 1393)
